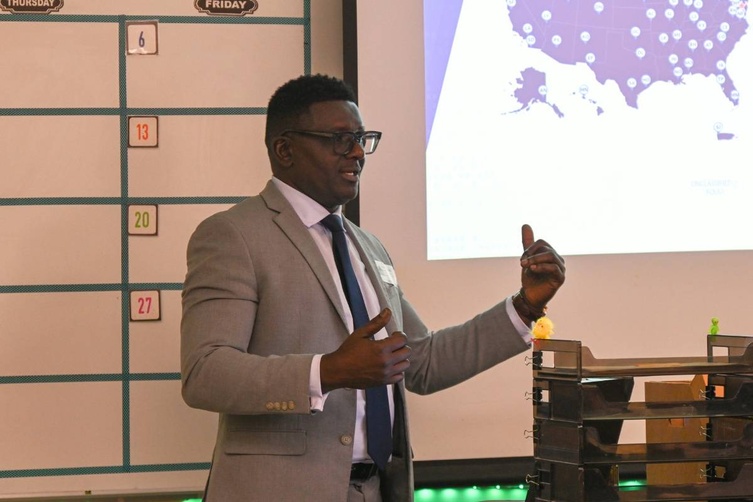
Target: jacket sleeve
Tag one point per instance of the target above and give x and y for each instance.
(220, 305)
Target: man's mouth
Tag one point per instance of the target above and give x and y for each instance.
(351, 174)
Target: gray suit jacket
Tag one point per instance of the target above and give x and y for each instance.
(258, 303)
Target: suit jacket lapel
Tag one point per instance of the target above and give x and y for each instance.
(299, 236)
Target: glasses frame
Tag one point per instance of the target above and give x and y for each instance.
(335, 137)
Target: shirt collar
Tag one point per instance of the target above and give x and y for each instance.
(308, 210)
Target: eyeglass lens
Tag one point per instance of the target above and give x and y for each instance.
(345, 141)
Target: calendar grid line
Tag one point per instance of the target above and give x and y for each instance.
(106, 469)
(125, 376)
(124, 243)
(88, 377)
(117, 201)
(115, 18)
(185, 111)
(88, 288)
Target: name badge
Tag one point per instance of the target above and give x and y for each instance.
(387, 273)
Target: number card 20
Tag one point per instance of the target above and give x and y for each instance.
(142, 220)
(145, 306)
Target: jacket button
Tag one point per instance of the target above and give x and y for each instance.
(291, 405)
(346, 439)
(270, 406)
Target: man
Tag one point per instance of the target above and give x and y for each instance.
(268, 337)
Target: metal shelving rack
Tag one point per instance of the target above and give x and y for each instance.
(580, 404)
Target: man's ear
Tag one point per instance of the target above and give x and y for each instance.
(282, 149)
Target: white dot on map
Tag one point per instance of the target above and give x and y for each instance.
(677, 34)
(740, 12)
(669, 13)
(701, 25)
(631, 83)
(724, 27)
(731, 9)
(512, 3)
(585, 36)
(530, 40)
(635, 31)
(694, 16)
(556, 40)
(673, 3)
(720, 79)
(688, 62)
(590, 57)
(721, 65)
(735, 94)
(677, 71)
(650, 13)
(718, 126)
(546, 15)
(543, 90)
(645, 80)
(692, 44)
(708, 45)
(721, 36)
(640, 52)
(583, 89)
(687, 3)
(698, 4)
(663, 38)
(599, 7)
(673, 59)
(527, 28)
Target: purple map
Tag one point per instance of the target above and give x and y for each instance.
(533, 90)
(635, 42)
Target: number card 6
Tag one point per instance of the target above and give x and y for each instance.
(142, 220)
(145, 306)
(142, 38)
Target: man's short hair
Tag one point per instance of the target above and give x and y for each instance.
(293, 99)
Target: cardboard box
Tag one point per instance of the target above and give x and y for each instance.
(675, 430)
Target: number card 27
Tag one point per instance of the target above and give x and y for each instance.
(145, 306)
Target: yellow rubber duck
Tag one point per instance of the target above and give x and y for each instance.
(542, 328)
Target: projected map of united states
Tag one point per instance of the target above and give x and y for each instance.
(634, 43)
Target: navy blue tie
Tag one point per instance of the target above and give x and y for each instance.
(378, 430)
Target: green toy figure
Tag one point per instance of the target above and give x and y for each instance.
(714, 329)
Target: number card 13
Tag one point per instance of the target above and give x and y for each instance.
(143, 132)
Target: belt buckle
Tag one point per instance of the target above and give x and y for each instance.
(362, 471)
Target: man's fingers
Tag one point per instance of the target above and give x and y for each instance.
(527, 233)
(396, 341)
(374, 325)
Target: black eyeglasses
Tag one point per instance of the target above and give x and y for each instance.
(343, 142)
